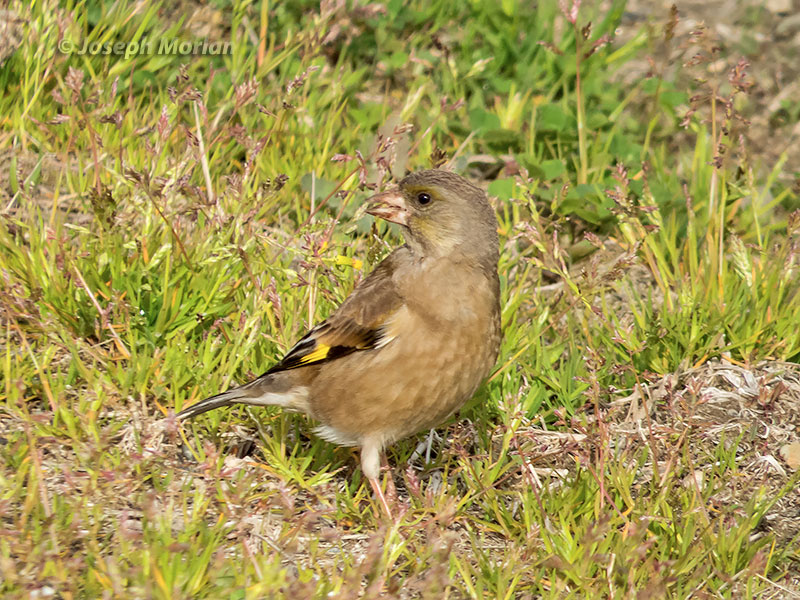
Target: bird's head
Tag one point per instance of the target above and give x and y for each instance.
(442, 214)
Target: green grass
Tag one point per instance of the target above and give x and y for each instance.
(172, 224)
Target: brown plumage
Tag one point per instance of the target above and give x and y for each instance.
(412, 342)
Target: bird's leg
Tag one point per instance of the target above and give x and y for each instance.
(431, 436)
(391, 490)
(371, 454)
(376, 487)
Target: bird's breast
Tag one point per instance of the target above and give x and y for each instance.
(433, 359)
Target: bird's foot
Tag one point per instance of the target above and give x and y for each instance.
(391, 490)
(376, 488)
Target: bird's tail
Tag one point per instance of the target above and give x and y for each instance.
(271, 389)
(218, 401)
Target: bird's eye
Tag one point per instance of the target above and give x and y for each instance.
(423, 198)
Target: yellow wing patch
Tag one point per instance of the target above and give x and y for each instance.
(319, 353)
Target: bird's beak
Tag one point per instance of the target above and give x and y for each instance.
(390, 206)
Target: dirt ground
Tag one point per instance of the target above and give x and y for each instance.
(766, 34)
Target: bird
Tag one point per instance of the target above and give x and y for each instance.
(414, 339)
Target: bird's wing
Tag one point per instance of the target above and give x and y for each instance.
(360, 323)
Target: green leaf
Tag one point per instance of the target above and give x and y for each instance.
(398, 59)
(503, 140)
(481, 119)
(552, 169)
(552, 118)
(502, 188)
